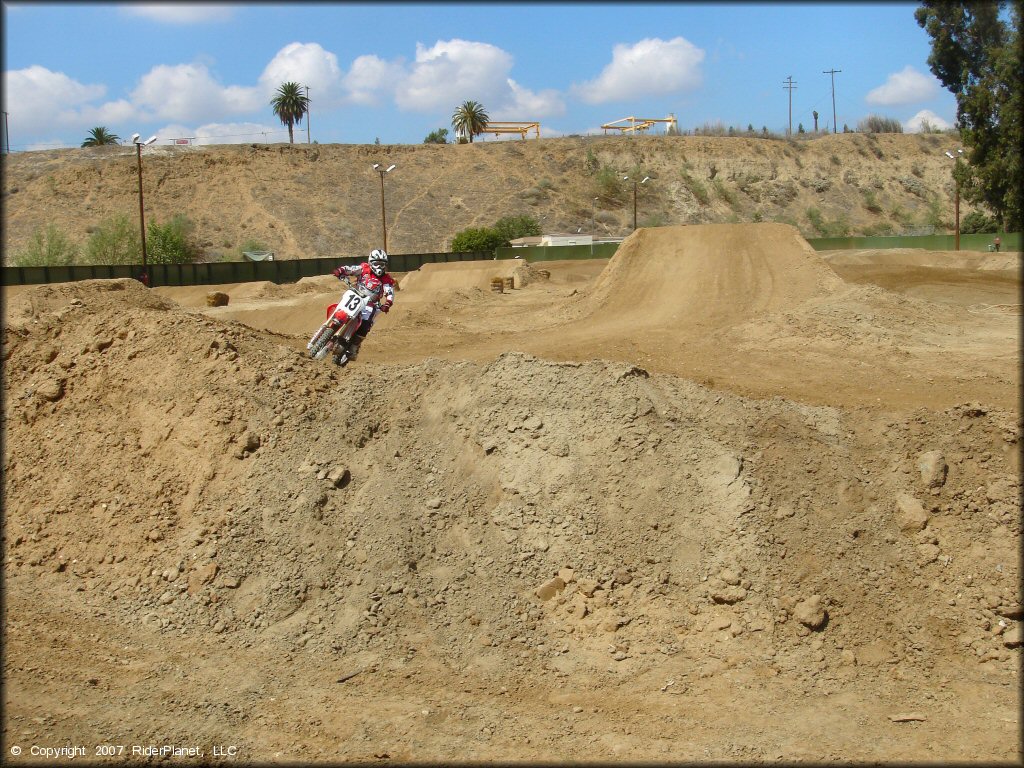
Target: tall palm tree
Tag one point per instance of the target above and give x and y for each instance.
(99, 136)
(470, 119)
(290, 105)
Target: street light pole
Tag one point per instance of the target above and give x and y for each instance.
(593, 215)
(956, 195)
(383, 217)
(635, 185)
(307, 115)
(142, 216)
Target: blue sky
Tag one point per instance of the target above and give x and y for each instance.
(396, 72)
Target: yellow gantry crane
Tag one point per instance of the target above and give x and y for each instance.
(636, 125)
(521, 128)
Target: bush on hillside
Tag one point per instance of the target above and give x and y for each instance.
(172, 243)
(49, 247)
(878, 124)
(115, 241)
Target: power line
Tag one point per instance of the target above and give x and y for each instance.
(790, 85)
(832, 72)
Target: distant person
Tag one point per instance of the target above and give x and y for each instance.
(997, 242)
(374, 277)
(143, 278)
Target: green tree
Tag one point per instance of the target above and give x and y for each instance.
(511, 227)
(477, 239)
(470, 119)
(976, 56)
(99, 136)
(290, 106)
(440, 136)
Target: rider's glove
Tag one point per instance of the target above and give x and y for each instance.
(385, 307)
(339, 273)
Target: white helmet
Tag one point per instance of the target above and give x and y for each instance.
(378, 262)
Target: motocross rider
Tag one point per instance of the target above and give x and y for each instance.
(373, 275)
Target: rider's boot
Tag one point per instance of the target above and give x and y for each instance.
(353, 349)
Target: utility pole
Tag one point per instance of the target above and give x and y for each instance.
(790, 85)
(832, 72)
(307, 114)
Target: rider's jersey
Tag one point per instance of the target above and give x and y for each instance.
(382, 289)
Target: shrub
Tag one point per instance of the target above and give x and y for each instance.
(724, 192)
(171, 243)
(511, 227)
(609, 184)
(977, 222)
(697, 189)
(871, 201)
(440, 136)
(48, 248)
(878, 124)
(115, 241)
(838, 228)
(477, 239)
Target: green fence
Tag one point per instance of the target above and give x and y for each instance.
(1010, 242)
(224, 272)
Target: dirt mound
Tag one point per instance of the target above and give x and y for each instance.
(709, 275)
(221, 538)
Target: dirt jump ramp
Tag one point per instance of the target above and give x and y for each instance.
(709, 275)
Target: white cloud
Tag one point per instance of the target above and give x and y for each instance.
(453, 71)
(651, 67)
(180, 13)
(308, 64)
(916, 123)
(39, 99)
(908, 86)
(370, 78)
(528, 105)
(189, 92)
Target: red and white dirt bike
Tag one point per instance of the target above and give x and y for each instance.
(343, 320)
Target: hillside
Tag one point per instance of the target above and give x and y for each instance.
(322, 200)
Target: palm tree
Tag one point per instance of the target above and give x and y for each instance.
(290, 105)
(98, 137)
(470, 119)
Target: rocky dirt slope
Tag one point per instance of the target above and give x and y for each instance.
(324, 200)
(208, 540)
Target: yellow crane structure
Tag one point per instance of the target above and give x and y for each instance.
(521, 128)
(636, 125)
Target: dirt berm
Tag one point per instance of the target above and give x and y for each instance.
(495, 537)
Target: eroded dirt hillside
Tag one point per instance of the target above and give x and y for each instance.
(577, 560)
(324, 200)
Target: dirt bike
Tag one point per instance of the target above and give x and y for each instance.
(343, 320)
